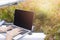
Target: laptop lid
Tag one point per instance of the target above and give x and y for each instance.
(23, 19)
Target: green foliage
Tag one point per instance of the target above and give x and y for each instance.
(7, 14)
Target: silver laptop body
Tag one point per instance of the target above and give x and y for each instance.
(23, 20)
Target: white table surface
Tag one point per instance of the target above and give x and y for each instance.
(34, 36)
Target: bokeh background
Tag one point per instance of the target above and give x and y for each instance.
(46, 17)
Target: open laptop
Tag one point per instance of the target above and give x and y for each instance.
(24, 20)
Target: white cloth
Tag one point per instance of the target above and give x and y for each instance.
(2, 37)
(2, 22)
(8, 2)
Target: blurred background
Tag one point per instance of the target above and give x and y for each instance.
(46, 17)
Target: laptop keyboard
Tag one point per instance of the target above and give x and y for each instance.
(23, 31)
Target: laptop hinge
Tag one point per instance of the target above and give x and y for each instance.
(32, 30)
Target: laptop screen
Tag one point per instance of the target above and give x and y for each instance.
(23, 19)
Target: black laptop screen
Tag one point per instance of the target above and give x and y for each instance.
(23, 19)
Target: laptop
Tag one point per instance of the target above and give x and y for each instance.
(24, 20)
